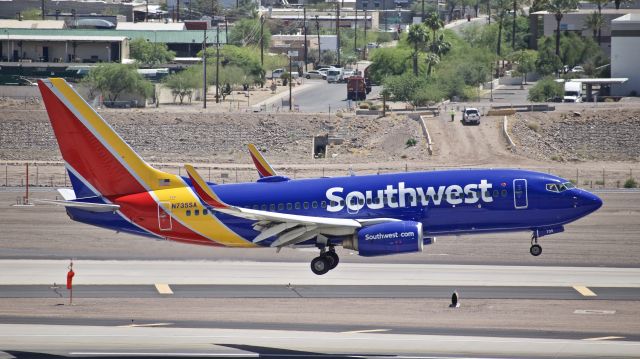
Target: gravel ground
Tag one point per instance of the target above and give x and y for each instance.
(590, 135)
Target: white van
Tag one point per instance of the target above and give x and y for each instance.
(335, 75)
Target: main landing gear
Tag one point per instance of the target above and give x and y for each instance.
(535, 249)
(327, 260)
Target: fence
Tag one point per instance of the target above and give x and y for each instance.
(53, 174)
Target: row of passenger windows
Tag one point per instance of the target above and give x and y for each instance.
(354, 201)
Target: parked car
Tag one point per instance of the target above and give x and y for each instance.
(315, 74)
(577, 69)
(471, 115)
(335, 75)
(346, 74)
(277, 73)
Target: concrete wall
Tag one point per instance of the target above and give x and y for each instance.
(625, 52)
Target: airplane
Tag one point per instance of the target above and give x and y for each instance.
(374, 215)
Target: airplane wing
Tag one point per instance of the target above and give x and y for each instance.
(263, 167)
(289, 229)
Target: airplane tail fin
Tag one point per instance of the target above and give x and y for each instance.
(93, 152)
(263, 167)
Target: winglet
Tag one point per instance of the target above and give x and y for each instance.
(203, 190)
(263, 167)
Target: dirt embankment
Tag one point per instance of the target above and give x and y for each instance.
(589, 135)
(170, 136)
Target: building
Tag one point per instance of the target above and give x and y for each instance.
(544, 24)
(325, 19)
(11, 8)
(625, 52)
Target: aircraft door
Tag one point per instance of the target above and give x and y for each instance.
(520, 199)
(164, 217)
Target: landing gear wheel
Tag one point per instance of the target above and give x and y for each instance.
(535, 250)
(332, 259)
(320, 265)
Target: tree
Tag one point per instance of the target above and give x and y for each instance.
(205, 7)
(417, 37)
(431, 60)
(389, 62)
(558, 8)
(619, 2)
(182, 84)
(414, 90)
(434, 23)
(526, 60)
(246, 32)
(113, 79)
(502, 8)
(545, 89)
(594, 21)
(517, 4)
(440, 46)
(150, 54)
(31, 14)
(246, 58)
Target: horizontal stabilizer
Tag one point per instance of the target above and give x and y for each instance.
(91, 207)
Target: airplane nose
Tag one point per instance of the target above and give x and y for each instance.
(589, 201)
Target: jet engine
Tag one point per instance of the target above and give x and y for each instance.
(387, 238)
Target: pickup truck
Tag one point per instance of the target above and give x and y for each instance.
(471, 115)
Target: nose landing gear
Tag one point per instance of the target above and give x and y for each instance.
(535, 249)
(327, 261)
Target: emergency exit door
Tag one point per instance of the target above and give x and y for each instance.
(164, 217)
(520, 199)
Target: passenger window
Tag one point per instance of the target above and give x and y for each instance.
(297, 205)
(188, 212)
(205, 212)
(496, 194)
(196, 212)
(368, 200)
(504, 193)
(255, 206)
(289, 206)
(314, 204)
(272, 207)
(263, 207)
(306, 205)
(323, 204)
(280, 206)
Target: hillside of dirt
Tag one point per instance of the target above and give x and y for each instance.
(587, 135)
(171, 136)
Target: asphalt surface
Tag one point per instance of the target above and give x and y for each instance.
(320, 291)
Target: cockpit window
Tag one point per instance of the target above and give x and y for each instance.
(559, 187)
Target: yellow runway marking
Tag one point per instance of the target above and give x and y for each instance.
(603, 338)
(163, 289)
(366, 331)
(586, 292)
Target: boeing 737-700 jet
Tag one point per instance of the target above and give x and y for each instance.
(374, 215)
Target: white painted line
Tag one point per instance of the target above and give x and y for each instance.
(586, 292)
(163, 289)
(593, 311)
(603, 338)
(253, 355)
(366, 331)
(150, 325)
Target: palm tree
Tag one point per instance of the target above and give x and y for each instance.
(594, 22)
(502, 7)
(418, 36)
(434, 23)
(600, 3)
(440, 46)
(431, 60)
(558, 8)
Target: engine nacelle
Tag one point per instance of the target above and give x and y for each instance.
(387, 238)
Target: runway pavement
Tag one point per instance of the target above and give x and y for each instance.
(72, 341)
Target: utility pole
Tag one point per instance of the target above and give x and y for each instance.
(261, 41)
(318, 30)
(42, 9)
(304, 16)
(204, 69)
(422, 14)
(364, 50)
(384, 11)
(338, 30)
(178, 11)
(290, 81)
(355, 34)
(217, 63)
(146, 14)
(226, 31)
